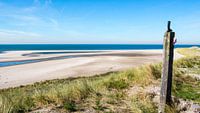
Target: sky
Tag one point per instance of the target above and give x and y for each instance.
(98, 21)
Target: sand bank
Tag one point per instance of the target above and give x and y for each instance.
(85, 64)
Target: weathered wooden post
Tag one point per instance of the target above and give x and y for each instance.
(166, 82)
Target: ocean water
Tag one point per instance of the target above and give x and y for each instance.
(17, 47)
(9, 47)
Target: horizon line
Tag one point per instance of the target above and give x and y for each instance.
(94, 44)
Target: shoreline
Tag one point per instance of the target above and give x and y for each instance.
(8, 56)
(35, 56)
(89, 65)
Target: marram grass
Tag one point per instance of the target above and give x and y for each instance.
(68, 92)
(189, 52)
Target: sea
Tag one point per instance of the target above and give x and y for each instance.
(23, 47)
(74, 48)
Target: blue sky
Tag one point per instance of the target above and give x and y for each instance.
(98, 21)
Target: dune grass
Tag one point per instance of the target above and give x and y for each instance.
(194, 51)
(68, 93)
(187, 87)
(102, 93)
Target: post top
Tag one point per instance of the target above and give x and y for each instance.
(168, 26)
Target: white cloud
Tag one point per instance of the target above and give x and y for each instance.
(54, 24)
(24, 18)
(30, 9)
(17, 34)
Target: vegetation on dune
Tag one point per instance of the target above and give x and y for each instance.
(194, 51)
(142, 103)
(186, 86)
(102, 93)
(188, 62)
(70, 94)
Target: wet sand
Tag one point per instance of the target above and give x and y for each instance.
(83, 64)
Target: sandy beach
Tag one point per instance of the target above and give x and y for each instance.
(75, 65)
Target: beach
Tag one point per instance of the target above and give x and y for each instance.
(70, 64)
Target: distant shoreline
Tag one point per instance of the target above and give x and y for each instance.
(22, 47)
(34, 56)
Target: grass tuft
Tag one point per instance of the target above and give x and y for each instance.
(117, 84)
(70, 106)
(142, 103)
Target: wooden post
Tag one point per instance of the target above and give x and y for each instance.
(167, 70)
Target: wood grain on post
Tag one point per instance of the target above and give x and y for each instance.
(167, 70)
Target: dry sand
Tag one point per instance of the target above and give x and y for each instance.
(85, 64)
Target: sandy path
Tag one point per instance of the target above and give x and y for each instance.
(13, 76)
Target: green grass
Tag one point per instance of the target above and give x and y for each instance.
(102, 93)
(188, 62)
(186, 87)
(188, 91)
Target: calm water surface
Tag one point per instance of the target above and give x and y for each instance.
(23, 47)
